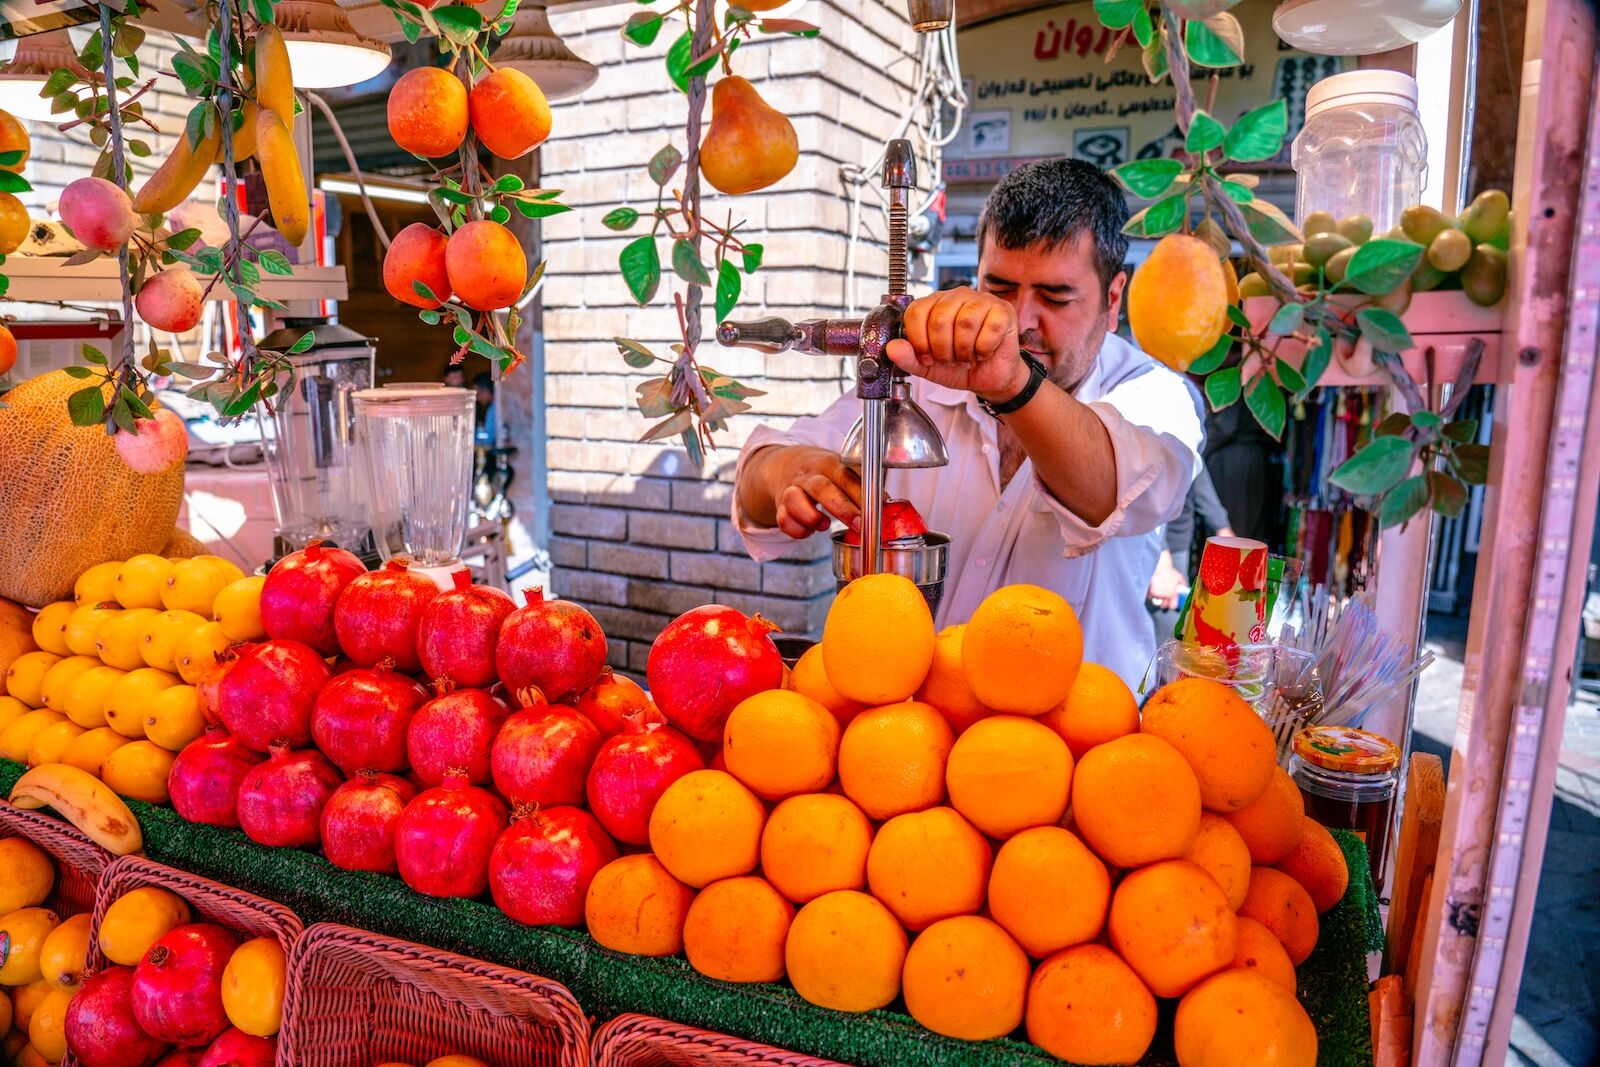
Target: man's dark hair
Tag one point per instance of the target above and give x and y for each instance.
(483, 380)
(1051, 202)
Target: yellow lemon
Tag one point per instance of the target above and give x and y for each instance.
(163, 634)
(50, 627)
(7, 1051)
(25, 998)
(47, 1030)
(139, 770)
(83, 628)
(194, 584)
(1178, 301)
(877, 643)
(197, 651)
(18, 737)
(28, 874)
(11, 709)
(49, 743)
(174, 718)
(92, 748)
(25, 676)
(97, 585)
(89, 694)
(252, 987)
(65, 951)
(138, 919)
(140, 580)
(238, 609)
(28, 1056)
(229, 568)
(120, 639)
(59, 678)
(27, 928)
(130, 699)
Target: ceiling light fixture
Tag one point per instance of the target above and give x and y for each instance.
(533, 48)
(37, 57)
(325, 50)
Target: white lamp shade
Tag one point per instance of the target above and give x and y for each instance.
(1360, 27)
(24, 74)
(325, 50)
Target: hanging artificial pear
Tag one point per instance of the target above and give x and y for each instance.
(749, 144)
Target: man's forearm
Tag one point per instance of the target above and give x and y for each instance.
(1071, 452)
(756, 499)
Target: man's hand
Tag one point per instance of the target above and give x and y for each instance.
(964, 340)
(1166, 583)
(797, 488)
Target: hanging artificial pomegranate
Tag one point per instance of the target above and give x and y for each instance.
(298, 596)
(541, 756)
(454, 731)
(632, 770)
(552, 645)
(457, 632)
(613, 698)
(444, 838)
(540, 870)
(360, 718)
(177, 987)
(359, 821)
(377, 615)
(267, 693)
(205, 778)
(281, 800)
(706, 662)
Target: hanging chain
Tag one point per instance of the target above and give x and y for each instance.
(230, 176)
(119, 168)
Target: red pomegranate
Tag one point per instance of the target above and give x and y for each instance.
(205, 778)
(281, 801)
(552, 644)
(455, 730)
(613, 698)
(444, 837)
(457, 633)
(267, 694)
(101, 1029)
(359, 819)
(377, 614)
(359, 719)
(706, 662)
(177, 987)
(541, 867)
(182, 1057)
(208, 694)
(235, 1048)
(630, 773)
(542, 756)
(298, 596)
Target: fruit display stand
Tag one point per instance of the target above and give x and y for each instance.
(79, 861)
(640, 1041)
(355, 997)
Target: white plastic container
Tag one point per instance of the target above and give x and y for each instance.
(1362, 150)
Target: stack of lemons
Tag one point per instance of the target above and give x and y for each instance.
(114, 687)
(43, 965)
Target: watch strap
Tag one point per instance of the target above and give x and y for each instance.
(1037, 373)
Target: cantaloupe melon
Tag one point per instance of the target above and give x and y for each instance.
(181, 544)
(16, 633)
(67, 501)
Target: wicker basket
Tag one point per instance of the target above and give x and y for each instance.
(357, 999)
(641, 1041)
(79, 861)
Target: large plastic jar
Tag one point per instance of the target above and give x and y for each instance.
(1362, 150)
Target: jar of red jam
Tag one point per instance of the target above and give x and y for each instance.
(1349, 778)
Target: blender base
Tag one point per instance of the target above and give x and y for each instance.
(443, 575)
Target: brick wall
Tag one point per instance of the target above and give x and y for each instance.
(637, 534)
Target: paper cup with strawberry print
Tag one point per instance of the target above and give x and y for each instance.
(1228, 606)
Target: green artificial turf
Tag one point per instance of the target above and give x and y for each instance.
(1333, 982)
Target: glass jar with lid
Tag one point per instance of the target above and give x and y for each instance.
(1348, 778)
(1362, 150)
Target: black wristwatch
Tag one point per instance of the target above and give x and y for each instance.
(1037, 373)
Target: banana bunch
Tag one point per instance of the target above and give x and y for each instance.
(84, 801)
(265, 132)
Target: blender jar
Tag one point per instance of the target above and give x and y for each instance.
(417, 445)
(1362, 150)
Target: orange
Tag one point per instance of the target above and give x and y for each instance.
(810, 678)
(1099, 708)
(1087, 1006)
(892, 760)
(781, 743)
(636, 906)
(929, 865)
(1022, 650)
(1240, 1019)
(1263, 953)
(1048, 890)
(1172, 924)
(877, 643)
(707, 826)
(14, 226)
(946, 686)
(966, 978)
(815, 844)
(1220, 852)
(1178, 301)
(1271, 827)
(1229, 746)
(1135, 801)
(428, 112)
(845, 952)
(1317, 863)
(14, 138)
(736, 931)
(1282, 905)
(1008, 773)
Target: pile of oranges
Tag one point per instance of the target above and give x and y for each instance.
(981, 824)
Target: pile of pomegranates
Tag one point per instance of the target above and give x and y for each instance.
(468, 745)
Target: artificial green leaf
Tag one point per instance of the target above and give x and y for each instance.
(1213, 357)
(12, 182)
(1404, 501)
(508, 183)
(190, 73)
(94, 355)
(87, 406)
(1287, 319)
(654, 398)
(1449, 495)
(752, 256)
(307, 339)
(1237, 191)
(1462, 430)
(1207, 47)
(642, 27)
(1290, 378)
(538, 209)
(1200, 9)
(276, 263)
(728, 287)
(1147, 178)
(664, 164)
(1267, 224)
(1222, 387)
(1154, 56)
(1382, 265)
(678, 59)
(737, 16)
(61, 79)
(1259, 133)
(691, 445)
(196, 371)
(634, 354)
(461, 335)
(1237, 316)
(1393, 425)
(458, 24)
(621, 218)
(500, 213)
(1117, 14)
(1144, 30)
(1164, 216)
(139, 149)
(1205, 133)
(76, 371)
(1375, 469)
(242, 403)
(429, 316)
(793, 26)
(1385, 332)
(686, 263)
(677, 424)
(1265, 401)
(1471, 463)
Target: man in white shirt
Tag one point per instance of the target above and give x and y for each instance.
(1094, 450)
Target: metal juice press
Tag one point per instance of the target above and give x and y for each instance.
(892, 432)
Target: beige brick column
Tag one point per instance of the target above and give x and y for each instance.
(637, 535)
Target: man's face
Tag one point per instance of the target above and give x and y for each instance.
(1062, 311)
(456, 379)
